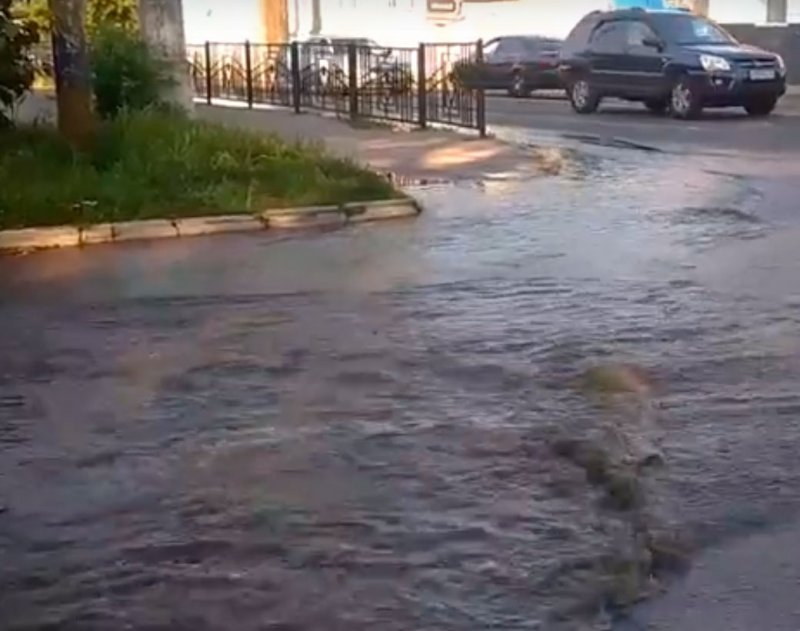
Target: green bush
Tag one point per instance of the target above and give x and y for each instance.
(16, 65)
(102, 13)
(155, 164)
(126, 75)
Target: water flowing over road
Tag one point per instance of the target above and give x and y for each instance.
(355, 430)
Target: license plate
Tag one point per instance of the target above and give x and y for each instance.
(762, 74)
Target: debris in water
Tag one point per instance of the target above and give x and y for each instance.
(669, 551)
(617, 379)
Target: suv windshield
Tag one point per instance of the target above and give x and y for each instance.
(691, 29)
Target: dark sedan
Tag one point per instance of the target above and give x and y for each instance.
(518, 64)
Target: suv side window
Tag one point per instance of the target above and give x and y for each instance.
(638, 32)
(610, 38)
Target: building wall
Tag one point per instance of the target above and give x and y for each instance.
(406, 22)
(222, 20)
(751, 11)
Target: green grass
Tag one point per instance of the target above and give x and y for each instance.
(158, 165)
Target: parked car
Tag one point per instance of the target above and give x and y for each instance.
(667, 59)
(519, 64)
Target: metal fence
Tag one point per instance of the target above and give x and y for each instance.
(416, 86)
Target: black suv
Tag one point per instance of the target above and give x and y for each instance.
(667, 59)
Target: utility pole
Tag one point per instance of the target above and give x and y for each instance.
(72, 71)
(161, 25)
(275, 14)
(316, 17)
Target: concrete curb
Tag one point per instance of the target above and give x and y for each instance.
(196, 226)
(312, 217)
(147, 229)
(375, 211)
(31, 239)
(37, 238)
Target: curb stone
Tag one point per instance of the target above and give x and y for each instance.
(39, 238)
(196, 226)
(147, 229)
(97, 233)
(389, 209)
(30, 239)
(312, 217)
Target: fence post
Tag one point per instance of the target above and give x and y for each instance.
(295, 61)
(422, 87)
(480, 106)
(352, 79)
(248, 69)
(208, 72)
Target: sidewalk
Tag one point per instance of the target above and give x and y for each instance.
(416, 155)
(412, 156)
(749, 584)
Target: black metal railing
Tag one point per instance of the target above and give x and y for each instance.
(448, 100)
(388, 84)
(416, 86)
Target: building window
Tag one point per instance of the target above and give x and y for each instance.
(776, 11)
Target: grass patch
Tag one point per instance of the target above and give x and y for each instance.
(161, 165)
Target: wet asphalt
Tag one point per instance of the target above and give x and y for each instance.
(354, 429)
(720, 131)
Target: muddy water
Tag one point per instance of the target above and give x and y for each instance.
(355, 430)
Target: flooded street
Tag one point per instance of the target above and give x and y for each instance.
(357, 430)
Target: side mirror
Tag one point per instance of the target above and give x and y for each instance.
(653, 42)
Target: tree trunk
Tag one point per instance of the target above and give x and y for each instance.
(276, 21)
(72, 72)
(698, 6)
(161, 25)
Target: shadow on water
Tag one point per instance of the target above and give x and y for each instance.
(385, 426)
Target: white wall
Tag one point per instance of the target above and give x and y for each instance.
(793, 11)
(738, 11)
(222, 20)
(404, 22)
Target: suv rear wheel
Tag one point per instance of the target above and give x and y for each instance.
(685, 102)
(762, 106)
(583, 96)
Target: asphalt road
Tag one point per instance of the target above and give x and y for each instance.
(396, 387)
(719, 131)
